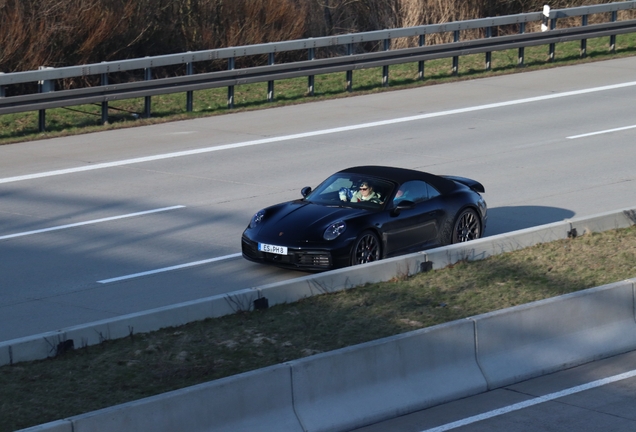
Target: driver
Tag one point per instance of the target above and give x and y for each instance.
(365, 193)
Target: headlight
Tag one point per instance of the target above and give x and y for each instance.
(257, 218)
(334, 230)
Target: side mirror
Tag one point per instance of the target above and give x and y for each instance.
(403, 205)
(305, 191)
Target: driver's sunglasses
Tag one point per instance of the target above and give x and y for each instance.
(363, 188)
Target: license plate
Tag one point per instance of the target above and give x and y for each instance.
(279, 250)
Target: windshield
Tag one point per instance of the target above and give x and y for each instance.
(353, 190)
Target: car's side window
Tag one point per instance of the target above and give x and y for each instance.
(432, 192)
(416, 191)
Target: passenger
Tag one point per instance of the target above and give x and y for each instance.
(365, 193)
(400, 195)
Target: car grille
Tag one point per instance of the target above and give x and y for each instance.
(313, 259)
(250, 248)
(296, 258)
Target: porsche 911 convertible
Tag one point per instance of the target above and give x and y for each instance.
(363, 214)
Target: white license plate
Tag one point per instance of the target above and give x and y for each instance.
(279, 250)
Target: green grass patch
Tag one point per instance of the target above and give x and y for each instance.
(127, 113)
(122, 370)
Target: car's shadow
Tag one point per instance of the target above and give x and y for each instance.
(506, 219)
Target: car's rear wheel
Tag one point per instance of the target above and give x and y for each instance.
(467, 227)
(366, 249)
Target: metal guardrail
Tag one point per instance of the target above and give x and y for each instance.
(48, 98)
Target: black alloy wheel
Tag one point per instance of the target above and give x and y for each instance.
(366, 249)
(467, 227)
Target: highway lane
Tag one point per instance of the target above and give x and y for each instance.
(517, 134)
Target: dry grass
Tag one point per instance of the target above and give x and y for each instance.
(147, 364)
(71, 32)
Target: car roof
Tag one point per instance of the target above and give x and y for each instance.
(402, 175)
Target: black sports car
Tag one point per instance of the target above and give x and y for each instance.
(364, 214)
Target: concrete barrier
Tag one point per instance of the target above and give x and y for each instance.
(48, 344)
(341, 279)
(496, 245)
(56, 426)
(546, 336)
(360, 385)
(604, 221)
(332, 391)
(5, 354)
(254, 401)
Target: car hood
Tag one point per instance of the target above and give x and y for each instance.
(302, 221)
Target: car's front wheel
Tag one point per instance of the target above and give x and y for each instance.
(366, 249)
(467, 227)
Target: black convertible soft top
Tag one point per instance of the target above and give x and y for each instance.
(401, 175)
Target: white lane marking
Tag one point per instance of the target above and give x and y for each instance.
(312, 134)
(532, 402)
(601, 132)
(95, 221)
(166, 269)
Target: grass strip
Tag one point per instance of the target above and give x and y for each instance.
(123, 370)
(127, 113)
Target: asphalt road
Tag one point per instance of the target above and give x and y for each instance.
(110, 223)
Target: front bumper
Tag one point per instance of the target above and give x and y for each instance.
(300, 259)
(307, 259)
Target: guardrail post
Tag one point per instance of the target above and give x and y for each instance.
(189, 94)
(147, 100)
(583, 52)
(310, 80)
(3, 89)
(456, 58)
(230, 89)
(270, 84)
(545, 18)
(420, 64)
(386, 44)
(488, 54)
(349, 72)
(552, 45)
(520, 58)
(612, 46)
(104, 82)
(44, 86)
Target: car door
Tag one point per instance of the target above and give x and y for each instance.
(414, 227)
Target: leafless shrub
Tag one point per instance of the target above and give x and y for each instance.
(68, 32)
